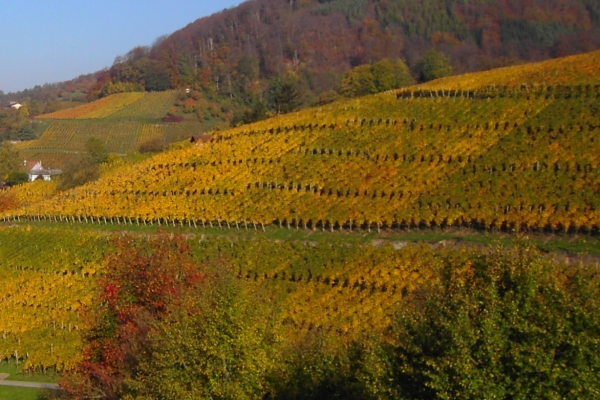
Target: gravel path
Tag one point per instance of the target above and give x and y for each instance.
(37, 385)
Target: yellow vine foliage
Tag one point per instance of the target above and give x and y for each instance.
(102, 108)
(573, 70)
(499, 156)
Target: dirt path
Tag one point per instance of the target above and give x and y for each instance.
(37, 385)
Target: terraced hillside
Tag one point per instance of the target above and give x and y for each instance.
(121, 121)
(578, 70)
(46, 284)
(268, 313)
(120, 105)
(512, 156)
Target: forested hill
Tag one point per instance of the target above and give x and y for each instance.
(235, 53)
(266, 57)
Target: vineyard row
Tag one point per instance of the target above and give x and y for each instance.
(325, 224)
(490, 92)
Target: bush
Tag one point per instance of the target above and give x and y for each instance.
(172, 118)
(155, 145)
(434, 65)
(505, 325)
(15, 178)
(78, 171)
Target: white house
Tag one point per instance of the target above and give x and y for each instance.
(37, 171)
(13, 104)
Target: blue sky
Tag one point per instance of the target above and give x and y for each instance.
(52, 41)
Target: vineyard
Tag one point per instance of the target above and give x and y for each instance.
(505, 156)
(153, 105)
(568, 71)
(48, 278)
(62, 139)
(46, 284)
(98, 109)
(121, 106)
(498, 157)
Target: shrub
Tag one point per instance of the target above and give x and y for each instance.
(172, 118)
(155, 145)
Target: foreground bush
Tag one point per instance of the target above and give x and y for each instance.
(501, 326)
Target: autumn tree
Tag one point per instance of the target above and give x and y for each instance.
(143, 280)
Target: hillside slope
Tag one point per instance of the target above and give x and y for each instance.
(123, 122)
(522, 154)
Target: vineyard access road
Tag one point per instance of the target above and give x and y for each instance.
(37, 385)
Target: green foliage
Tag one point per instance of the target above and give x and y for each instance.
(17, 177)
(84, 168)
(155, 76)
(521, 34)
(22, 132)
(78, 171)
(257, 112)
(384, 75)
(155, 145)
(10, 159)
(358, 82)
(506, 325)
(434, 65)
(213, 346)
(283, 95)
(379, 77)
(96, 150)
(354, 10)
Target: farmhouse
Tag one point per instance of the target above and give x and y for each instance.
(37, 171)
(12, 104)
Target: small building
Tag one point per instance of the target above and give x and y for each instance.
(201, 139)
(37, 171)
(12, 104)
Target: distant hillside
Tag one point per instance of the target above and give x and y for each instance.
(122, 122)
(245, 61)
(519, 154)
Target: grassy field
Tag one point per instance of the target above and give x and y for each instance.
(22, 393)
(577, 245)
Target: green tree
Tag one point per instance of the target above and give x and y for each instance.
(434, 65)
(34, 107)
(505, 325)
(22, 132)
(10, 159)
(78, 171)
(358, 82)
(96, 150)
(257, 111)
(17, 177)
(283, 95)
(402, 74)
(225, 355)
(383, 75)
